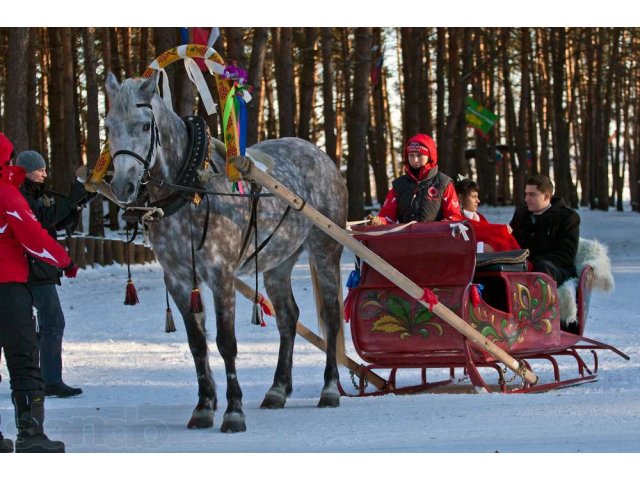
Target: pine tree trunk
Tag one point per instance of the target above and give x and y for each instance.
(522, 129)
(561, 164)
(143, 60)
(357, 123)
(33, 130)
(235, 47)
(307, 87)
(328, 80)
(63, 171)
(272, 122)
(56, 107)
(377, 139)
(96, 212)
(114, 224)
(17, 66)
(441, 62)
(448, 148)
(411, 68)
(256, 67)
(283, 60)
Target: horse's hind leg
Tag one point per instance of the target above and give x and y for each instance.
(202, 416)
(324, 255)
(277, 283)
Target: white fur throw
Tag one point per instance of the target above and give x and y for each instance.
(595, 254)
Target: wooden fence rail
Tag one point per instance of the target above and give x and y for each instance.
(91, 251)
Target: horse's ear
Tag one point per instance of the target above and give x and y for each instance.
(111, 85)
(148, 87)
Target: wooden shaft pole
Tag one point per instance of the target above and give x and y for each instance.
(245, 165)
(375, 380)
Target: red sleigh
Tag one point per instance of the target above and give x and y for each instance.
(515, 309)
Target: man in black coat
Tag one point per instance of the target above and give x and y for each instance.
(549, 228)
(43, 278)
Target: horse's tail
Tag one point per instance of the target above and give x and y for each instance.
(340, 347)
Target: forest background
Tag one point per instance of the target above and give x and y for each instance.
(566, 100)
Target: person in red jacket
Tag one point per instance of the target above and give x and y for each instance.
(422, 194)
(20, 232)
(491, 237)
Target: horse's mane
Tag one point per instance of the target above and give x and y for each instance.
(125, 101)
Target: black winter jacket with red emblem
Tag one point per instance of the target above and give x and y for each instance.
(421, 201)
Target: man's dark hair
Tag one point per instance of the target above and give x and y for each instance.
(542, 183)
(465, 186)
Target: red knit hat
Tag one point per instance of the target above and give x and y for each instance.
(416, 147)
(424, 144)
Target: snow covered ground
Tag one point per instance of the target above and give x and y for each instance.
(140, 387)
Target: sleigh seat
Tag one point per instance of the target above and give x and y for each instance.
(509, 261)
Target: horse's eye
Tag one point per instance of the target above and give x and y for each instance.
(146, 127)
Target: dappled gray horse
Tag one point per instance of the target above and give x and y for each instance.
(148, 143)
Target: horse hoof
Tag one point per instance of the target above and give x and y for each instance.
(329, 397)
(273, 399)
(329, 401)
(233, 423)
(273, 402)
(202, 418)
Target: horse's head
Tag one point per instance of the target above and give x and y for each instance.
(133, 133)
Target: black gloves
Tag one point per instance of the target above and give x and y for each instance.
(79, 196)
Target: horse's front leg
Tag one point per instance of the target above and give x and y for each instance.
(225, 304)
(202, 416)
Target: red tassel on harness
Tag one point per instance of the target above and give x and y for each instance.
(130, 295)
(265, 305)
(257, 317)
(196, 301)
(429, 297)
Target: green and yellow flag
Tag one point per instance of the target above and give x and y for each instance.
(479, 117)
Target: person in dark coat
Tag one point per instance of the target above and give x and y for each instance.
(549, 228)
(55, 215)
(422, 194)
(20, 233)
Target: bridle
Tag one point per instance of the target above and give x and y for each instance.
(154, 142)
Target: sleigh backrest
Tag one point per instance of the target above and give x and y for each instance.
(427, 253)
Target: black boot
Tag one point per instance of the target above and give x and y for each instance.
(6, 445)
(61, 390)
(29, 409)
